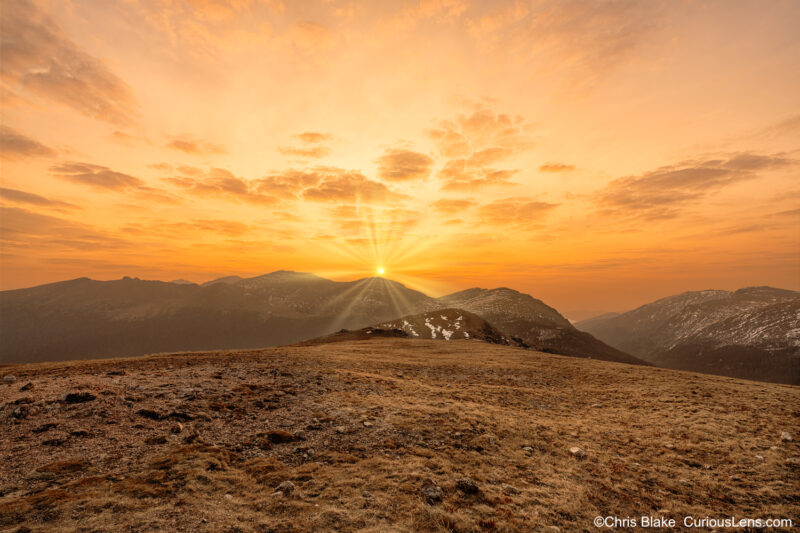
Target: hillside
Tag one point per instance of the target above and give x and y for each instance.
(442, 324)
(752, 333)
(386, 435)
(534, 323)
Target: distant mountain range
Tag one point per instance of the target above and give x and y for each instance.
(84, 318)
(751, 333)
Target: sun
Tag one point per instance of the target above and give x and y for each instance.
(381, 271)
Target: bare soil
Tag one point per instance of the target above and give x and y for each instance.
(386, 435)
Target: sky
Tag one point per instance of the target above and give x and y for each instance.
(596, 154)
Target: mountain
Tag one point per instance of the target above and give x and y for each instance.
(181, 281)
(442, 324)
(751, 333)
(84, 318)
(534, 323)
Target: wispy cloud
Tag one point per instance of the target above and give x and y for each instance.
(39, 57)
(14, 145)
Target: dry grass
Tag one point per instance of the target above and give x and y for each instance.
(367, 431)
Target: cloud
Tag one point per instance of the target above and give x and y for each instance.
(404, 165)
(24, 229)
(475, 144)
(14, 145)
(22, 197)
(660, 193)
(96, 176)
(458, 175)
(450, 206)
(193, 147)
(312, 146)
(38, 57)
(337, 185)
(556, 167)
(218, 182)
(518, 212)
(127, 139)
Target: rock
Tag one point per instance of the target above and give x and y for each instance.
(177, 428)
(760, 457)
(340, 429)
(152, 441)
(577, 452)
(79, 397)
(278, 436)
(670, 446)
(149, 413)
(509, 489)
(527, 449)
(367, 424)
(597, 405)
(80, 433)
(229, 496)
(57, 441)
(9, 378)
(27, 386)
(277, 494)
(792, 461)
(287, 487)
(115, 373)
(554, 529)
(20, 412)
(786, 436)
(431, 492)
(180, 415)
(467, 486)
(44, 427)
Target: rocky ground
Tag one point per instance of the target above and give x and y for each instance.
(386, 435)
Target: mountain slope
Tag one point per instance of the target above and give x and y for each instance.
(535, 323)
(442, 324)
(85, 318)
(751, 333)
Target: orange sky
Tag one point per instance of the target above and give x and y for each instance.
(595, 154)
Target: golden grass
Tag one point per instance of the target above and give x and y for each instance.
(361, 428)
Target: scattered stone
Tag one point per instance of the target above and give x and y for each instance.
(527, 449)
(278, 436)
(597, 405)
(149, 413)
(27, 386)
(760, 457)
(229, 496)
(792, 461)
(277, 494)
(736, 477)
(509, 489)
(577, 452)
(367, 424)
(287, 487)
(786, 436)
(9, 378)
(340, 429)
(20, 412)
(79, 397)
(177, 428)
(152, 441)
(467, 486)
(670, 446)
(300, 435)
(180, 415)
(431, 492)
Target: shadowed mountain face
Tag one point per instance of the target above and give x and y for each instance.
(534, 323)
(84, 318)
(751, 333)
